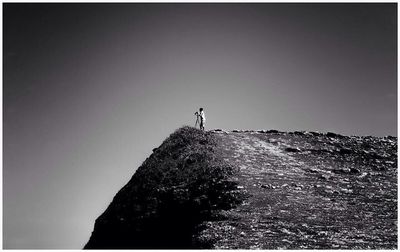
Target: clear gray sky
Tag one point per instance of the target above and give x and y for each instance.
(89, 90)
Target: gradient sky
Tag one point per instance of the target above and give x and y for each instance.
(90, 89)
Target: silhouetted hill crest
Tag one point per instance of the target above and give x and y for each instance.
(262, 189)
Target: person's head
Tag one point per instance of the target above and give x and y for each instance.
(201, 109)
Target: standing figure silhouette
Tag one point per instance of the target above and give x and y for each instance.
(202, 119)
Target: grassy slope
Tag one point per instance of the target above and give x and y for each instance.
(257, 190)
(183, 183)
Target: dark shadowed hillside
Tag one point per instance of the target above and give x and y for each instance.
(257, 190)
(181, 185)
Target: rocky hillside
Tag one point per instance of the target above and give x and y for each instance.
(257, 190)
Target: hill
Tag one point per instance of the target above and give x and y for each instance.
(257, 190)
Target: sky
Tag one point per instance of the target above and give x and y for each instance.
(90, 89)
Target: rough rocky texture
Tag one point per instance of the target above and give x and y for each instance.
(258, 190)
(309, 191)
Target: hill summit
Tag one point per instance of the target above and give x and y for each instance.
(257, 190)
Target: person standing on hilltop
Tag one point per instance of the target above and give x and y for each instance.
(202, 119)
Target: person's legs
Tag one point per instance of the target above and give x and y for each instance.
(202, 125)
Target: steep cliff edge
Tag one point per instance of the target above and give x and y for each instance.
(258, 190)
